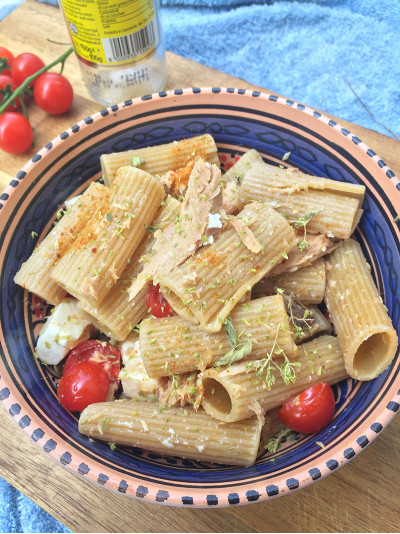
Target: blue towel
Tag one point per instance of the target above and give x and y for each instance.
(339, 56)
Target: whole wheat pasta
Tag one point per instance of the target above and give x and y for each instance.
(212, 282)
(116, 315)
(173, 345)
(35, 274)
(98, 256)
(238, 391)
(306, 285)
(364, 329)
(335, 206)
(179, 431)
(232, 179)
(157, 160)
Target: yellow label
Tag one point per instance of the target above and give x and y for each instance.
(112, 31)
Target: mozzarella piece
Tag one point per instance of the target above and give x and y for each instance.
(64, 329)
(134, 378)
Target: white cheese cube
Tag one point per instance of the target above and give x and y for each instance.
(134, 378)
(64, 329)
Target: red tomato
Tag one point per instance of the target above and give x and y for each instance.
(6, 54)
(4, 81)
(24, 66)
(84, 384)
(53, 93)
(16, 133)
(311, 411)
(156, 302)
(98, 352)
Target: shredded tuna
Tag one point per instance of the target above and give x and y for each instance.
(245, 234)
(189, 231)
(176, 182)
(319, 245)
(256, 408)
(180, 390)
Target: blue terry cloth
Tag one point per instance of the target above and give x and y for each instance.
(20, 514)
(324, 54)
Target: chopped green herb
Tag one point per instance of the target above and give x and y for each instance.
(137, 161)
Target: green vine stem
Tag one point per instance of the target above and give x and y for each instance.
(30, 79)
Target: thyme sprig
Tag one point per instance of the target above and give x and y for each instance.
(274, 443)
(302, 222)
(267, 367)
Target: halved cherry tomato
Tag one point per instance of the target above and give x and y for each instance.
(311, 411)
(6, 54)
(156, 302)
(53, 93)
(16, 133)
(24, 66)
(102, 353)
(85, 383)
(4, 82)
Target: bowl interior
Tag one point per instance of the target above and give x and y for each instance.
(238, 121)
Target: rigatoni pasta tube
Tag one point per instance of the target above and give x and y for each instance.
(177, 431)
(232, 179)
(335, 205)
(35, 274)
(160, 159)
(173, 345)
(99, 255)
(116, 315)
(212, 282)
(306, 285)
(238, 391)
(364, 329)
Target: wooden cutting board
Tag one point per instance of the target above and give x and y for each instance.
(362, 496)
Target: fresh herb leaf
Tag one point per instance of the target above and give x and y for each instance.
(235, 354)
(152, 229)
(230, 332)
(109, 217)
(273, 444)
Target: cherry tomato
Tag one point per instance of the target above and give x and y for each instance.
(156, 302)
(6, 54)
(4, 81)
(16, 133)
(24, 66)
(84, 384)
(311, 411)
(98, 352)
(53, 93)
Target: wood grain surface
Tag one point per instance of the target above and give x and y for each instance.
(362, 496)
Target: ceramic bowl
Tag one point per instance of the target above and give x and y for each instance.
(238, 120)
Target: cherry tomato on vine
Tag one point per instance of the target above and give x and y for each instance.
(53, 93)
(16, 133)
(4, 82)
(6, 54)
(102, 353)
(24, 66)
(156, 302)
(311, 411)
(85, 383)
